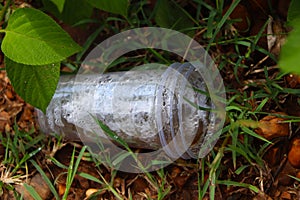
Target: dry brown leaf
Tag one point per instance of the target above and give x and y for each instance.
(27, 114)
(285, 195)
(272, 156)
(262, 196)
(9, 94)
(298, 175)
(90, 191)
(293, 80)
(175, 172)
(4, 116)
(181, 180)
(284, 178)
(118, 182)
(61, 189)
(140, 185)
(40, 186)
(294, 153)
(271, 127)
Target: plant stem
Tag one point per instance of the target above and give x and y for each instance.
(4, 9)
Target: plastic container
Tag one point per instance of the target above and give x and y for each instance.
(146, 108)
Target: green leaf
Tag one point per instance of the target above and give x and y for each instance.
(33, 38)
(293, 12)
(114, 6)
(170, 15)
(35, 84)
(59, 4)
(290, 52)
(73, 11)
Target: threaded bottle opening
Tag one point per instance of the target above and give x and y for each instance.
(183, 110)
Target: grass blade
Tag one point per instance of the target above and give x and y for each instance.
(73, 170)
(46, 179)
(233, 183)
(32, 192)
(89, 177)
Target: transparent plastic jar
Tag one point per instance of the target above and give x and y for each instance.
(146, 108)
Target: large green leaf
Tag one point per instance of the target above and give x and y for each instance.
(290, 52)
(33, 38)
(170, 15)
(73, 11)
(293, 12)
(35, 84)
(114, 6)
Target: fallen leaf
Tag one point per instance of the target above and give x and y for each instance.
(272, 156)
(118, 182)
(284, 178)
(9, 94)
(262, 196)
(271, 127)
(61, 189)
(175, 172)
(285, 195)
(294, 153)
(140, 185)
(27, 113)
(181, 180)
(293, 80)
(298, 174)
(4, 116)
(90, 191)
(40, 186)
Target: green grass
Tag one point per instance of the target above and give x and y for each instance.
(19, 149)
